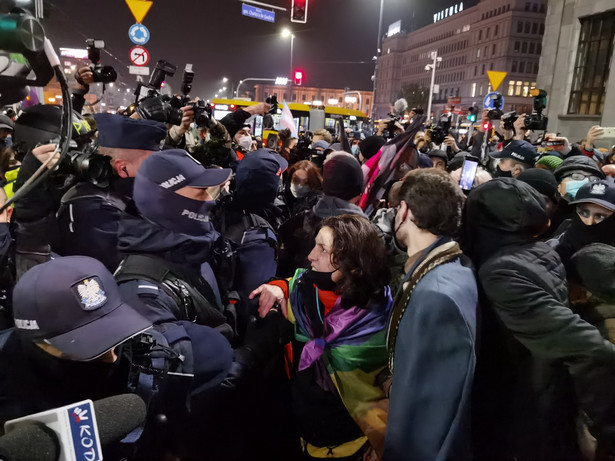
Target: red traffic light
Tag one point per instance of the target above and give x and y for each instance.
(299, 11)
(298, 77)
(486, 126)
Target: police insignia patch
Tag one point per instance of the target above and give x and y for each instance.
(598, 189)
(90, 293)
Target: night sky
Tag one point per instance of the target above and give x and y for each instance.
(220, 42)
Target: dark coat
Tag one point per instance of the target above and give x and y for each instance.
(538, 361)
(429, 410)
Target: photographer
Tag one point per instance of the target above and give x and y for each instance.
(84, 77)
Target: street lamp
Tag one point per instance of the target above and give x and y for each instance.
(376, 61)
(224, 79)
(287, 33)
(432, 67)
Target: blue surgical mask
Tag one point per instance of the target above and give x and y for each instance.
(7, 142)
(572, 187)
(355, 150)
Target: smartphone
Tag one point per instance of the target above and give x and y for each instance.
(608, 132)
(468, 173)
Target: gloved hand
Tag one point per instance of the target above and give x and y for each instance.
(153, 108)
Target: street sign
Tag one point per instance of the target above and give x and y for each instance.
(135, 70)
(454, 100)
(138, 34)
(257, 13)
(488, 101)
(139, 56)
(139, 8)
(496, 78)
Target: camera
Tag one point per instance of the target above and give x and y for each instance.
(84, 162)
(156, 106)
(508, 119)
(496, 113)
(440, 131)
(102, 74)
(202, 111)
(536, 121)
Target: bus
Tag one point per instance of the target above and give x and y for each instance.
(353, 119)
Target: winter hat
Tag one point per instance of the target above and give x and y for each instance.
(551, 162)
(371, 145)
(342, 176)
(541, 180)
(595, 266)
(320, 144)
(578, 163)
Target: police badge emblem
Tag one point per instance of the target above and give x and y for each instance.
(91, 295)
(598, 189)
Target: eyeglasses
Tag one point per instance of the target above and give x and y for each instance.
(587, 214)
(582, 176)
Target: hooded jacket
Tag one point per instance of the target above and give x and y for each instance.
(538, 361)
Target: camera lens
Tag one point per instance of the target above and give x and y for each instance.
(108, 74)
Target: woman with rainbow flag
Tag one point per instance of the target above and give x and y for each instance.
(340, 309)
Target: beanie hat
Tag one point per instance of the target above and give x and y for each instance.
(550, 161)
(342, 176)
(371, 145)
(578, 163)
(541, 180)
(595, 266)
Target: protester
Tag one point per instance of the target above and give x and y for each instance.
(535, 353)
(340, 306)
(303, 188)
(432, 334)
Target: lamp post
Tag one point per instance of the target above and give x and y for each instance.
(432, 67)
(287, 33)
(375, 78)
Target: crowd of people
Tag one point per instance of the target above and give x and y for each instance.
(334, 296)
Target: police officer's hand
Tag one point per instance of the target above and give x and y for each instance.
(269, 295)
(258, 109)
(46, 154)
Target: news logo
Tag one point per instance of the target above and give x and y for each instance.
(85, 441)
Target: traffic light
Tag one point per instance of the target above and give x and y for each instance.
(486, 126)
(298, 77)
(299, 11)
(472, 114)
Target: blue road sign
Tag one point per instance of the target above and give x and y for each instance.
(488, 101)
(257, 13)
(138, 33)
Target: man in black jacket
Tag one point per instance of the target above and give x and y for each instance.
(539, 363)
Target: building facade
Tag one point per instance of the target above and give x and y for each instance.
(498, 35)
(577, 57)
(350, 99)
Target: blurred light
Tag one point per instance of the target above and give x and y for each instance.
(51, 99)
(58, 96)
(281, 81)
(350, 99)
(317, 103)
(111, 84)
(332, 101)
(286, 32)
(224, 79)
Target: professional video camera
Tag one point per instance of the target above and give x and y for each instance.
(156, 106)
(103, 74)
(202, 111)
(440, 131)
(496, 113)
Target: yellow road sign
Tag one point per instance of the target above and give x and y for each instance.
(496, 78)
(139, 8)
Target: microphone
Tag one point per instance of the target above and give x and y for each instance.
(74, 432)
(400, 107)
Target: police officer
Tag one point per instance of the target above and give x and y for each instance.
(90, 211)
(75, 339)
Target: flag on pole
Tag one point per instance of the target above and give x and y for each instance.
(288, 121)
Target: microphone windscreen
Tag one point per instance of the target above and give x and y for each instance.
(117, 416)
(400, 106)
(30, 441)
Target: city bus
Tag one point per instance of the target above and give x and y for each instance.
(354, 119)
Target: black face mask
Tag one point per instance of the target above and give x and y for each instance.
(580, 234)
(502, 174)
(321, 279)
